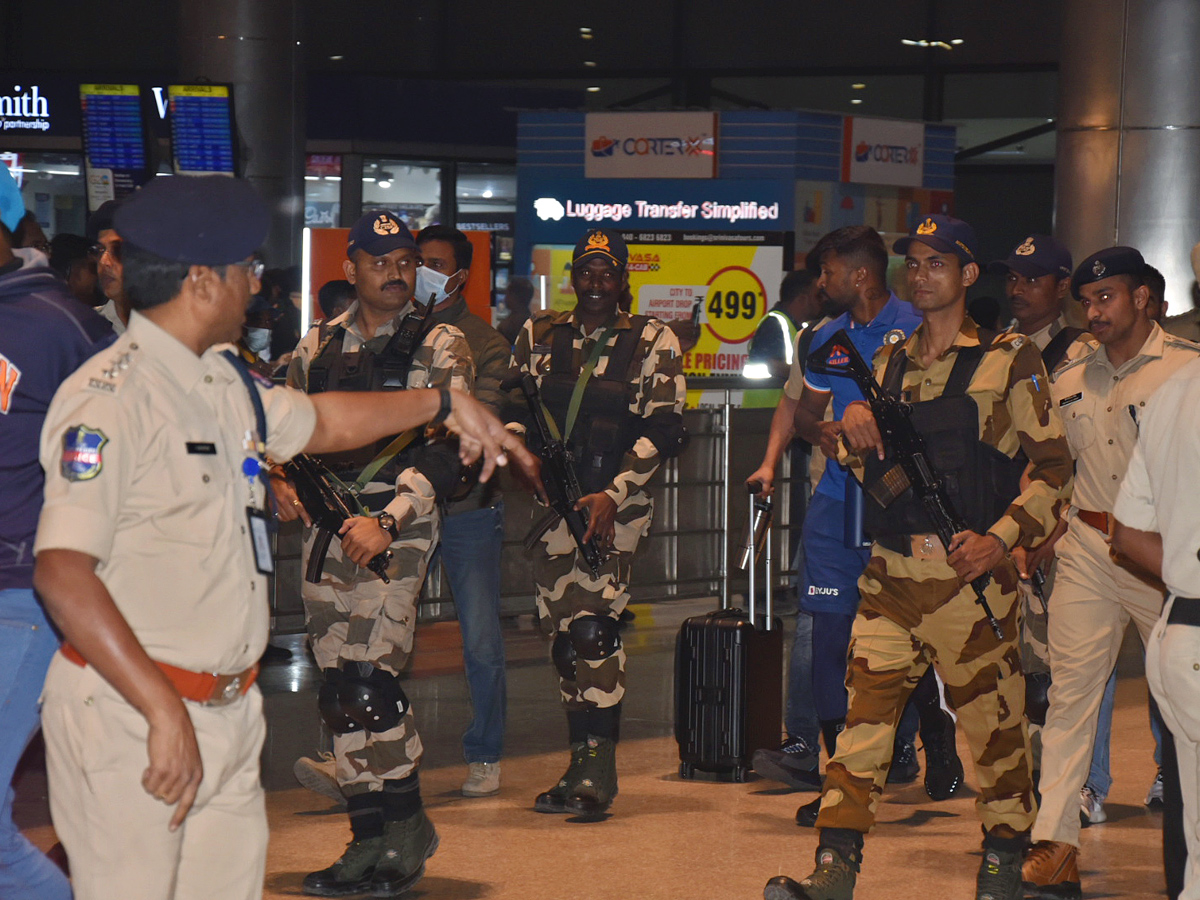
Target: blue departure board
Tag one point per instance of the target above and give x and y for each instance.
(112, 126)
(202, 131)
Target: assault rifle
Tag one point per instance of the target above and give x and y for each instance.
(562, 484)
(324, 500)
(906, 446)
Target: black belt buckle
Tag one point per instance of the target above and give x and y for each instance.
(1184, 611)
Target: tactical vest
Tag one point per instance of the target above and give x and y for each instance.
(367, 369)
(980, 480)
(605, 428)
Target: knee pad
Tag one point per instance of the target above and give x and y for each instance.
(1037, 697)
(563, 655)
(595, 637)
(371, 697)
(329, 705)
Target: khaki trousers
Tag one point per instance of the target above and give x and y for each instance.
(1093, 601)
(115, 834)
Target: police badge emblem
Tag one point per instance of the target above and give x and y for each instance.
(927, 227)
(1098, 269)
(81, 456)
(1026, 248)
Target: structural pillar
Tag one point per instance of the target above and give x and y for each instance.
(255, 44)
(1128, 162)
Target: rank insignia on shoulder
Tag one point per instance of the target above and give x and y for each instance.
(1018, 340)
(81, 456)
(1067, 401)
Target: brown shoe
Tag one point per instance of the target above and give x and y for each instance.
(1051, 870)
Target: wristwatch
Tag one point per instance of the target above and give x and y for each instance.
(388, 523)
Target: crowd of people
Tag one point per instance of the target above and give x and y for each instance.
(146, 445)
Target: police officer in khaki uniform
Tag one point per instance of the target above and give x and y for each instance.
(152, 552)
(917, 607)
(1102, 398)
(614, 385)
(1158, 524)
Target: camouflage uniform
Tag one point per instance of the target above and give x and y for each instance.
(1095, 596)
(565, 587)
(351, 615)
(915, 611)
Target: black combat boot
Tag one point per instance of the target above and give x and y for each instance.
(597, 785)
(406, 845)
(353, 871)
(999, 875)
(839, 857)
(555, 799)
(943, 768)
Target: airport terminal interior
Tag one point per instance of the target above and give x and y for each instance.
(722, 141)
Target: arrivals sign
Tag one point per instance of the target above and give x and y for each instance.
(650, 145)
(883, 151)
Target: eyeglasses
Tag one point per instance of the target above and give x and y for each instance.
(97, 251)
(254, 268)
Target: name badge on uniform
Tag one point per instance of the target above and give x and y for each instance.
(260, 540)
(1067, 401)
(204, 448)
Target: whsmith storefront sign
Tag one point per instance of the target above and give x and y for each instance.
(650, 145)
(24, 110)
(883, 151)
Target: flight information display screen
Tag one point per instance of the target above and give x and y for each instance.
(114, 140)
(202, 131)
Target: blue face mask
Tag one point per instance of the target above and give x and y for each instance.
(431, 282)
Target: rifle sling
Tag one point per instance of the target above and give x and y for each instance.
(382, 458)
(580, 385)
(966, 361)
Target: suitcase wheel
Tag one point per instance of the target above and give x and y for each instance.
(739, 773)
(687, 770)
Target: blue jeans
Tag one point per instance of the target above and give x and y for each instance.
(800, 717)
(471, 546)
(1100, 776)
(27, 642)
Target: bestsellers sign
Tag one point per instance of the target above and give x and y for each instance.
(883, 151)
(650, 145)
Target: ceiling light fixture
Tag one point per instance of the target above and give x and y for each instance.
(590, 63)
(337, 57)
(583, 29)
(385, 184)
(856, 101)
(487, 195)
(594, 89)
(940, 45)
(858, 86)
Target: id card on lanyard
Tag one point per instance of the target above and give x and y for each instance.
(254, 466)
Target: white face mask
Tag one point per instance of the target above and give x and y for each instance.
(431, 282)
(258, 339)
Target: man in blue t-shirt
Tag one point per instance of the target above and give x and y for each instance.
(853, 267)
(45, 334)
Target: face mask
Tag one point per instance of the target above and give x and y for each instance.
(258, 339)
(431, 282)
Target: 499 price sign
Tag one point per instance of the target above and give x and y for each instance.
(735, 303)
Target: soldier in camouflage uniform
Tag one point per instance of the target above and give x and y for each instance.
(360, 628)
(629, 371)
(917, 605)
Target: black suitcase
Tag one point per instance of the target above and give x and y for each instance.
(729, 682)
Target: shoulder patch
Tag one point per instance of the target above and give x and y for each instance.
(82, 456)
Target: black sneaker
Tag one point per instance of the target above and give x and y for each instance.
(351, 874)
(833, 879)
(904, 768)
(795, 764)
(999, 875)
(943, 768)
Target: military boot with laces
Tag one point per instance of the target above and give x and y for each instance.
(597, 784)
(555, 799)
(999, 875)
(351, 874)
(833, 879)
(1051, 870)
(943, 768)
(406, 845)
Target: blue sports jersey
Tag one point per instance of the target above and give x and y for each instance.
(45, 336)
(896, 316)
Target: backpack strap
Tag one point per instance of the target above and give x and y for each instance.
(965, 364)
(1058, 346)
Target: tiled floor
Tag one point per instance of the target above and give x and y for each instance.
(666, 838)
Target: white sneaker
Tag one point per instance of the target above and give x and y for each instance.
(319, 776)
(483, 779)
(1154, 796)
(1091, 808)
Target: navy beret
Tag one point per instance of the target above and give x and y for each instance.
(1105, 264)
(602, 242)
(378, 233)
(204, 220)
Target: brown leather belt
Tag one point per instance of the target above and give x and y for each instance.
(205, 688)
(1101, 521)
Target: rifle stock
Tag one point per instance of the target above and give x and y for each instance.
(905, 444)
